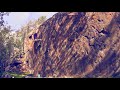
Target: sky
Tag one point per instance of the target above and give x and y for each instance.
(17, 19)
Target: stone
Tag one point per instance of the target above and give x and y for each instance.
(73, 44)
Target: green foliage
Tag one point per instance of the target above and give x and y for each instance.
(6, 47)
(12, 43)
(15, 75)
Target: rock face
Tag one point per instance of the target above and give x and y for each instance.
(76, 44)
(17, 66)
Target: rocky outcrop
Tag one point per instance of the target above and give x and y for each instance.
(76, 44)
(17, 66)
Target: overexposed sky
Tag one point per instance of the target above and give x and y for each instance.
(18, 19)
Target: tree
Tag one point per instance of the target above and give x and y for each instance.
(1, 17)
(5, 42)
(12, 43)
(6, 47)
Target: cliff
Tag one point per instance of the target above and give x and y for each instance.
(76, 44)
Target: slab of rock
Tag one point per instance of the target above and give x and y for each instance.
(75, 44)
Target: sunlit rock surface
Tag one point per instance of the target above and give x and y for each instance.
(76, 44)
